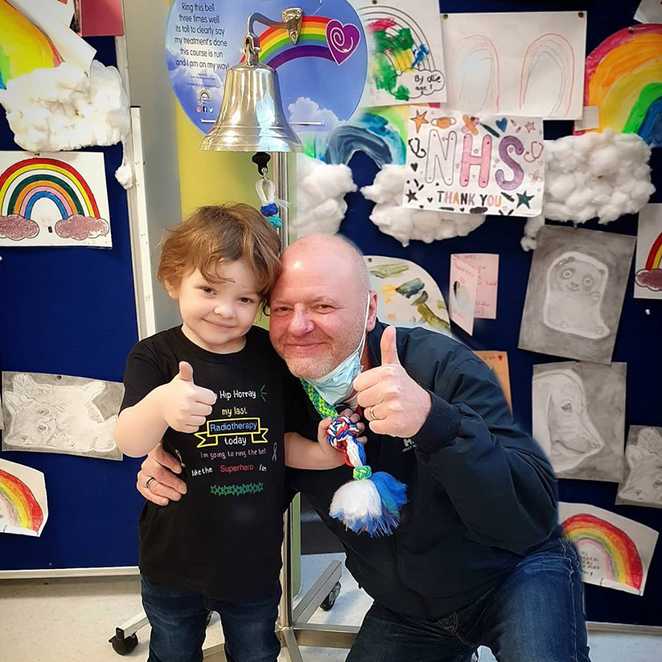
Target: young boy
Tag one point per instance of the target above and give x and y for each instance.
(217, 395)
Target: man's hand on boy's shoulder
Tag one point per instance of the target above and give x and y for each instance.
(158, 479)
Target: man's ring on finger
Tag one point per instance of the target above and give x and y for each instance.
(148, 481)
(371, 413)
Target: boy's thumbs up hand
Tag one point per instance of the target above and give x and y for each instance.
(392, 401)
(185, 372)
(183, 404)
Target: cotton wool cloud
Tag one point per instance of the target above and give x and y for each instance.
(594, 175)
(412, 224)
(321, 189)
(65, 108)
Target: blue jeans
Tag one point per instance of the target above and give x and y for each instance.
(179, 621)
(534, 615)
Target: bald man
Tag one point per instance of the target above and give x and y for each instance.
(478, 558)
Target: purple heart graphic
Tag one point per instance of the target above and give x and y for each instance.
(342, 40)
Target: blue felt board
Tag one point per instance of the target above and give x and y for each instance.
(72, 311)
(638, 340)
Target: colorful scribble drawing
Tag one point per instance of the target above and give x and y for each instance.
(624, 80)
(574, 289)
(549, 64)
(478, 74)
(406, 60)
(53, 192)
(562, 423)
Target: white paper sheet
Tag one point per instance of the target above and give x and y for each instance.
(50, 17)
(462, 291)
(649, 11)
(517, 63)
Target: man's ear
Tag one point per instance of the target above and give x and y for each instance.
(372, 311)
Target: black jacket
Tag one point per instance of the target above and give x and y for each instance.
(481, 492)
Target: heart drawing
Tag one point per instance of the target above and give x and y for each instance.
(342, 39)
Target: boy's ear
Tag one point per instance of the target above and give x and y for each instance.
(171, 289)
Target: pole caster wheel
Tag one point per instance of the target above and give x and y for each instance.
(123, 645)
(330, 599)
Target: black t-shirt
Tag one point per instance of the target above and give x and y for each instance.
(223, 537)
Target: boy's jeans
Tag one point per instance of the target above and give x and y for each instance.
(179, 621)
(534, 615)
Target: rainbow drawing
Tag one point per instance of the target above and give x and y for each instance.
(28, 181)
(320, 37)
(46, 201)
(23, 46)
(624, 80)
(615, 551)
(20, 511)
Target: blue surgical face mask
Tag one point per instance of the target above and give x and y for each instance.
(336, 385)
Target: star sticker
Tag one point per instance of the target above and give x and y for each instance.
(411, 195)
(420, 120)
(524, 199)
(530, 126)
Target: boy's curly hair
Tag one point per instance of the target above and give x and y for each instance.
(219, 233)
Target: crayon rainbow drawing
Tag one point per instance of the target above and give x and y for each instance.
(624, 80)
(609, 547)
(20, 510)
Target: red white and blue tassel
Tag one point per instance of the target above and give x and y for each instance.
(370, 503)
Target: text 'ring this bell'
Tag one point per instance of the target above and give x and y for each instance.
(251, 118)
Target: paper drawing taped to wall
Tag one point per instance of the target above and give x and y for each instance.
(23, 500)
(642, 484)
(406, 62)
(474, 165)
(60, 414)
(575, 293)
(408, 295)
(579, 418)
(648, 260)
(53, 200)
(615, 551)
(574, 290)
(518, 63)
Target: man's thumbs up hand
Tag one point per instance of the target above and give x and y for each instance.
(392, 401)
(388, 347)
(183, 404)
